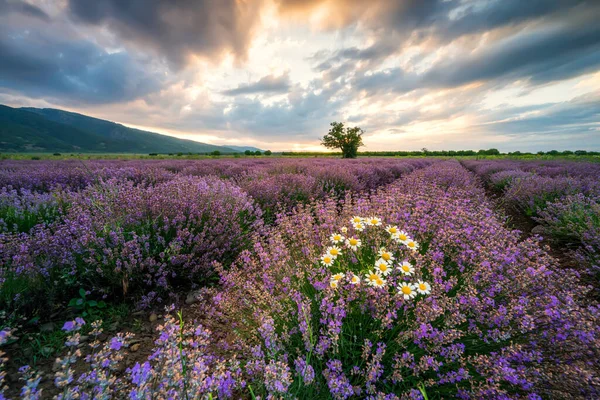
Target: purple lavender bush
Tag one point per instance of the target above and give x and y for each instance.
(122, 239)
(334, 305)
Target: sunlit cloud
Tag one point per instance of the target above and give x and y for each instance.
(274, 73)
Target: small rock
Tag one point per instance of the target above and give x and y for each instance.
(135, 347)
(153, 317)
(538, 230)
(47, 327)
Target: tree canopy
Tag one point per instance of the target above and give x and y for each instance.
(347, 139)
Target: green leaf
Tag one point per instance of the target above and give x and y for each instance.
(101, 304)
(92, 303)
(82, 292)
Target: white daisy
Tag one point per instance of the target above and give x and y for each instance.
(407, 290)
(359, 226)
(344, 229)
(337, 277)
(411, 244)
(386, 255)
(333, 284)
(356, 220)
(382, 267)
(373, 221)
(334, 251)
(327, 260)
(401, 236)
(406, 268)
(353, 243)
(391, 229)
(336, 238)
(355, 280)
(423, 287)
(374, 279)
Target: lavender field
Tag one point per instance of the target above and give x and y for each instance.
(374, 278)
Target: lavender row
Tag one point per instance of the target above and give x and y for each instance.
(563, 197)
(418, 290)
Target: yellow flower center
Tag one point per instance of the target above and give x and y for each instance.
(333, 284)
(374, 221)
(393, 230)
(373, 277)
(356, 219)
(353, 242)
(411, 244)
(406, 290)
(386, 256)
(383, 267)
(333, 252)
(337, 237)
(405, 268)
(422, 286)
(326, 260)
(402, 237)
(354, 279)
(379, 281)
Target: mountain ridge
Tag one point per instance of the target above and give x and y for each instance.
(30, 129)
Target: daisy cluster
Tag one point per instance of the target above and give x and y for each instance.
(376, 274)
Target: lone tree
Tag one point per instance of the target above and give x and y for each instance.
(346, 139)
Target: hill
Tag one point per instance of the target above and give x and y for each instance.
(52, 130)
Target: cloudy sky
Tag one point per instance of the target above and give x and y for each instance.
(441, 74)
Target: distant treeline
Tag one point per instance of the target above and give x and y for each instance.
(449, 153)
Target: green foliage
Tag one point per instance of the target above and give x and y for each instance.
(85, 307)
(257, 153)
(348, 140)
(268, 152)
(248, 152)
(215, 153)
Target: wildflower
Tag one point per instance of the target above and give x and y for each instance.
(407, 290)
(382, 267)
(336, 238)
(391, 229)
(385, 255)
(401, 236)
(373, 221)
(354, 280)
(411, 244)
(359, 226)
(406, 268)
(333, 284)
(374, 279)
(337, 277)
(327, 260)
(353, 243)
(344, 229)
(356, 220)
(334, 251)
(423, 287)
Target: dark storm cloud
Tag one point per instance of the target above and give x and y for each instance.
(42, 66)
(175, 29)
(266, 85)
(21, 7)
(540, 56)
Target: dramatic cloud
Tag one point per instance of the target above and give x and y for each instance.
(442, 74)
(267, 84)
(176, 29)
